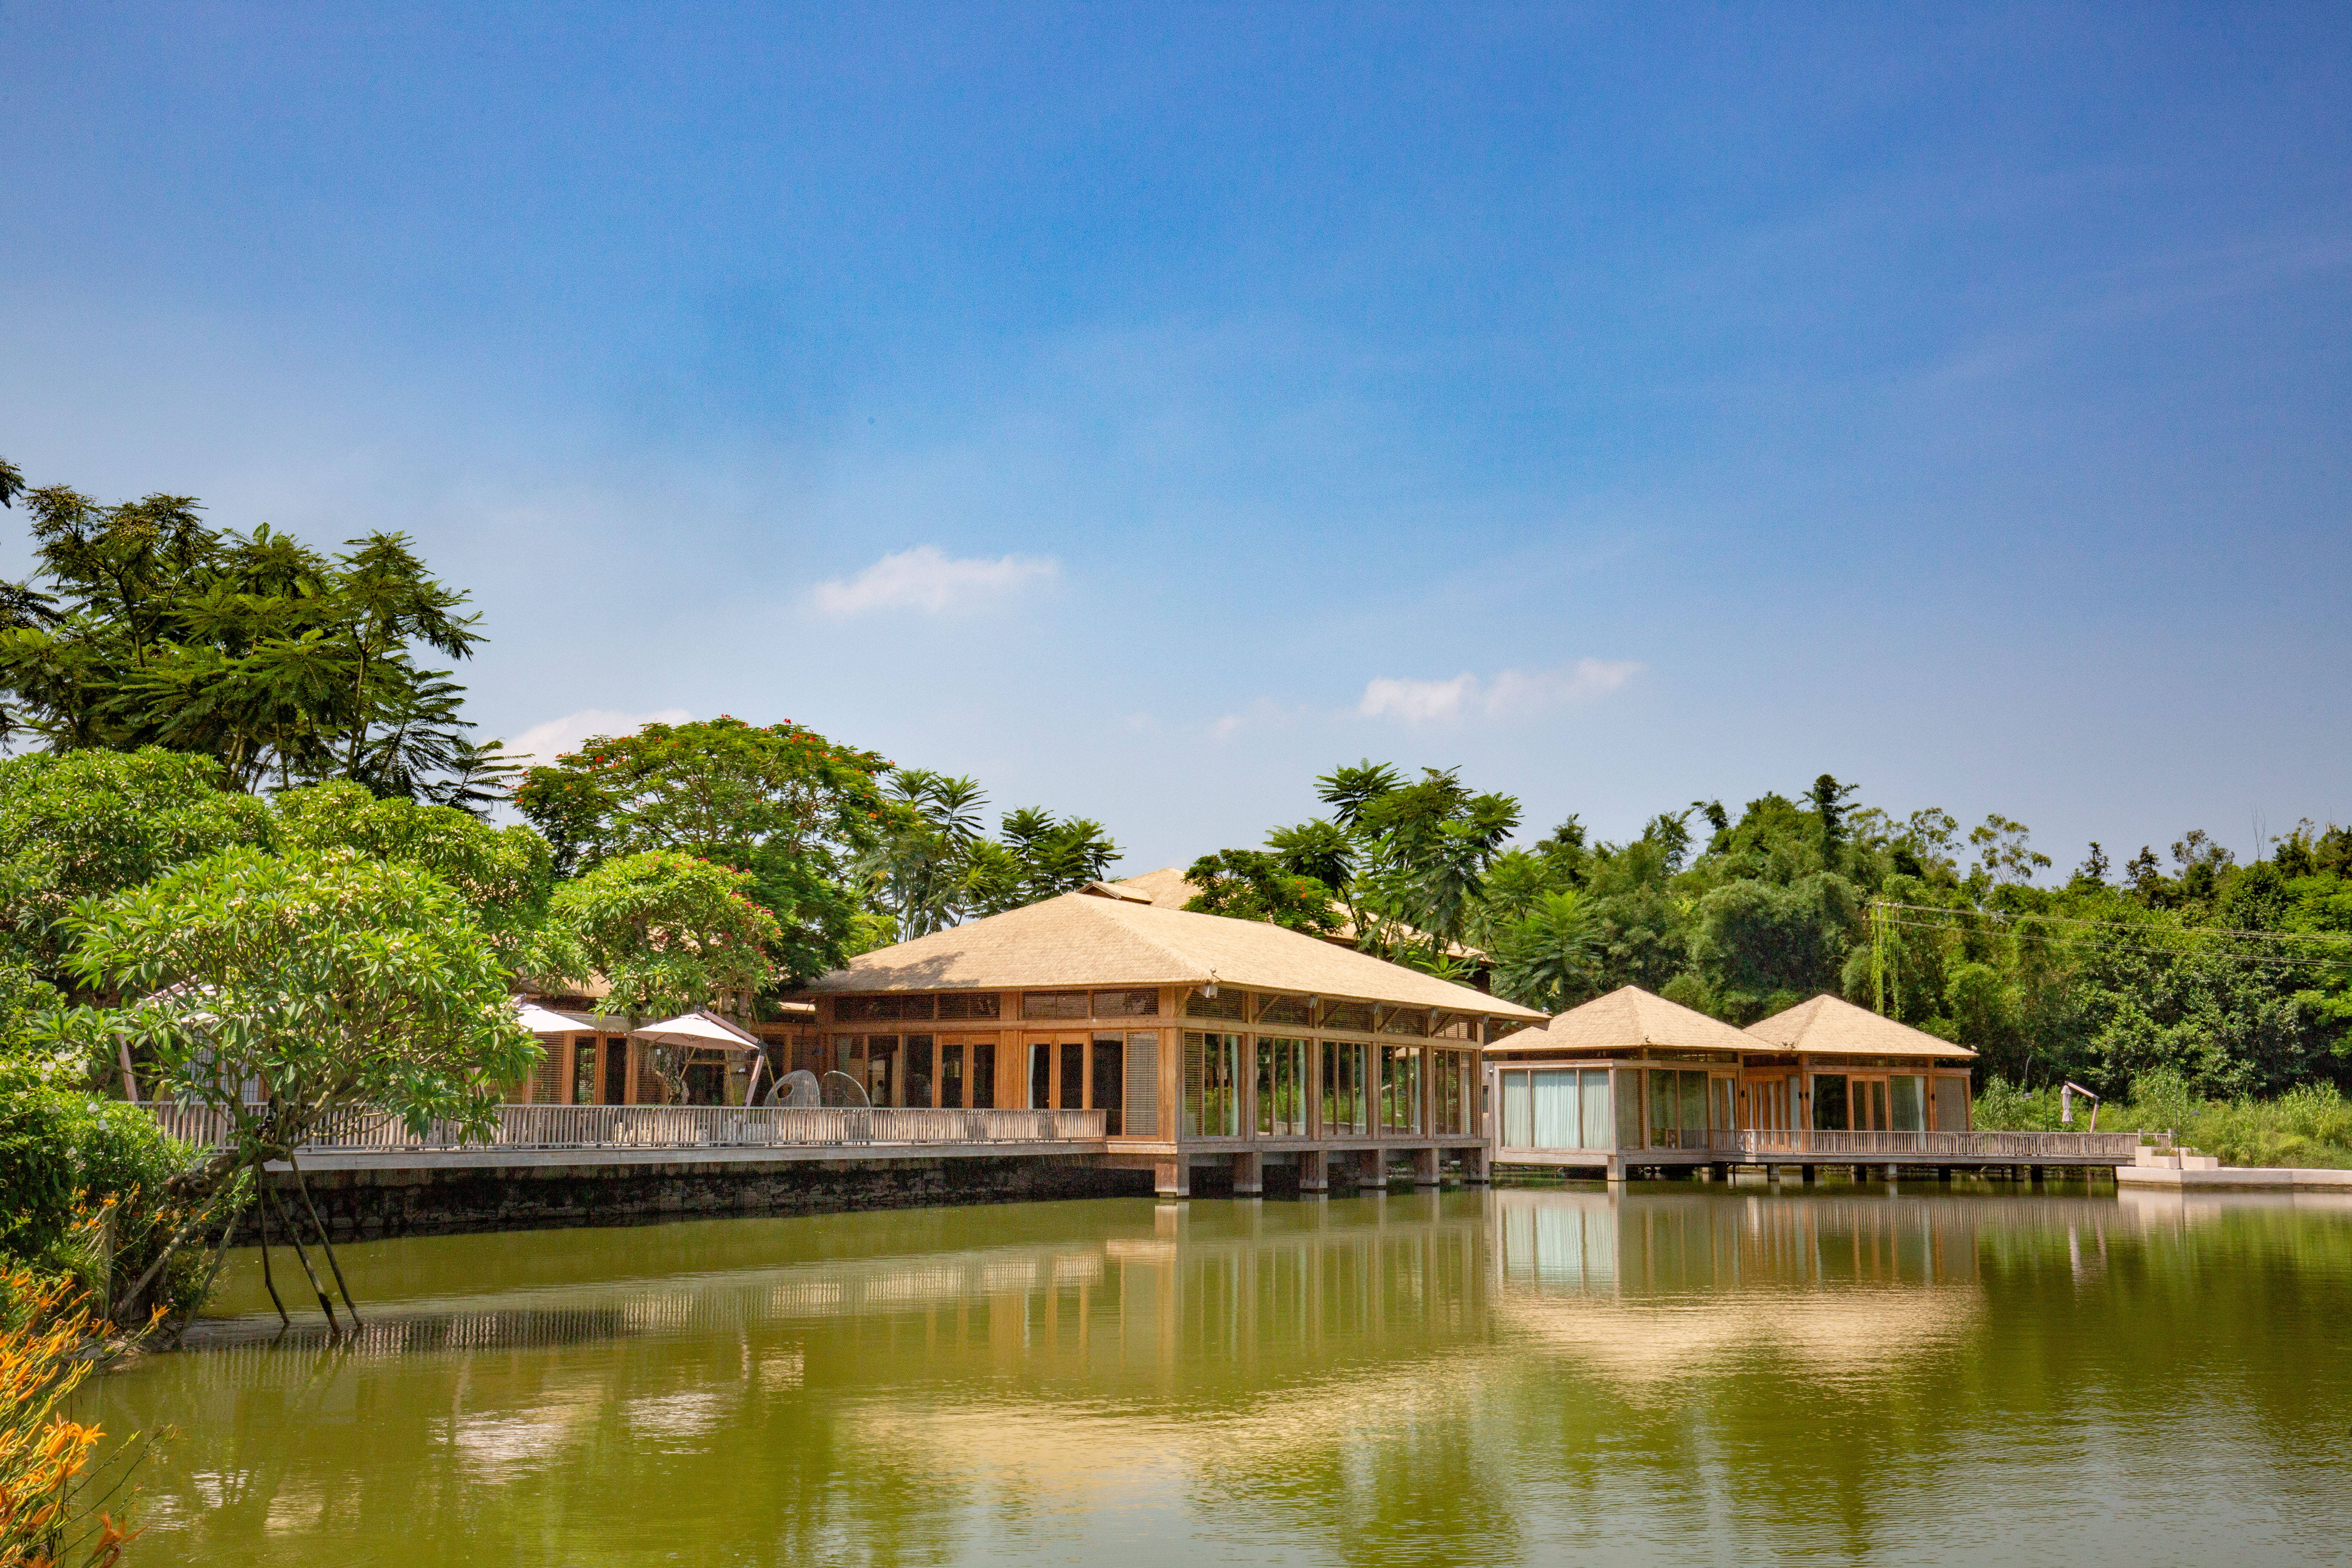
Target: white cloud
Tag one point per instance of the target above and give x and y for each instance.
(925, 578)
(1514, 693)
(545, 743)
(1416, 700)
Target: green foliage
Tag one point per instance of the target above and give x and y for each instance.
(671, 932)
(318, 980)
(82, 1186)
(91, 824)
(1245, 884)
(503, 874)
(2308, 1126)
(933, 868)
(1754, 940)
(145, 626)
(778, 802)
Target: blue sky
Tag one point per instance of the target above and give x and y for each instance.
(1144, 410)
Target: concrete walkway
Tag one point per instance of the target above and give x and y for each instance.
(2271, 1178)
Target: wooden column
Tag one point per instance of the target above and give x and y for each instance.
(1425, 1167)
(1372, 1169)
(1249, 1174)
(1172, 1178)
(1478, 1165)
(1315, 1172)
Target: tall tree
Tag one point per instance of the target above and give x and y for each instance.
(794, 811)
(144, 625)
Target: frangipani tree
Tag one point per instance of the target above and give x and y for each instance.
(318, 981)
(670, 934)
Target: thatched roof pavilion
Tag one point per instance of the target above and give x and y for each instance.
(1201, 1038)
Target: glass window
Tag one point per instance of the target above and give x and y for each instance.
(1694, 1107)
(1629, 1108)
(1721, 1117)
(1356, 1017)
(1951, 1104)
(1073, 1074)
(983, 1074)
(1227, 1003)
(1596, 1108)
(1285, 1010)
(1559, 1120)
(1908, 1100)
(1053, 1004)
(1404, 1021)
(583, 1073)
(1281, 1087)
(1829, 1102)
(1519, 1111)
(879, 1079)
(1400, 1089)
(1212, 1107)
(1141, 1003)
(919, 1069)
(1452, 1092)
(1109, 1079)
(1666, 1109)
(1343, 1089)
(951, 1076)
(1041, 1076)
(969, 1004)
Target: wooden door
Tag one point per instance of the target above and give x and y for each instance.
(1053, 1072)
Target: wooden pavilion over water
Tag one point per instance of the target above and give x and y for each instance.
(1630, 1079)
(1204, 1041)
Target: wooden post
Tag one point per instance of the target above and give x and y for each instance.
(1425, 1167)
(1314, 1172)
(1172, 1178)
(1249, 1175)
(1478, 1165)
(1372, 1169)
(1808, 1175)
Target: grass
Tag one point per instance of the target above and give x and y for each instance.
(2308, 1127)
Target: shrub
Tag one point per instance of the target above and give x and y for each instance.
(45, 1515)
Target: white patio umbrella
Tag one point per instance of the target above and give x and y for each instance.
(709, 1032)
(540, 1020)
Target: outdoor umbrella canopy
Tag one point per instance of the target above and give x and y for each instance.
(709, 1032)
(540, 1020)
(698, 1029)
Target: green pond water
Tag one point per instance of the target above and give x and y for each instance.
(1672, 1374)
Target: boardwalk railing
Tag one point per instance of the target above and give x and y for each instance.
(1755, 1144)
(2022, 1148)
(545, 1127)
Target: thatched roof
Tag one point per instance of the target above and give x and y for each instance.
(1828, 1025)
(1167, 888)
(1630, 1015)
(1101, 938)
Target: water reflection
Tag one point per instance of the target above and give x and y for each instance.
(1673, 1373)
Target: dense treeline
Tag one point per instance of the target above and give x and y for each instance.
(2235, 977)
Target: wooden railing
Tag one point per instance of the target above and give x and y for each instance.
(1996, 1147)
(542, 1127)
(1795, 1145)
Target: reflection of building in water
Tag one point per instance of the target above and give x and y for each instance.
(1662, 1285)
